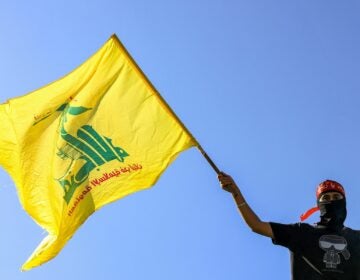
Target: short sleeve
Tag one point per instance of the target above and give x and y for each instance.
(287, 235)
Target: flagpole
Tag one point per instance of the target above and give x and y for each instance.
(202, 151)
(209, 160)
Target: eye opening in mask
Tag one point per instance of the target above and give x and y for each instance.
(330, 196)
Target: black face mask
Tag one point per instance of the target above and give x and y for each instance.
(333, 213)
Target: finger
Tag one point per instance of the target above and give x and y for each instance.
(226, 179)
(227, 188)
(227, 185)
(223, 176)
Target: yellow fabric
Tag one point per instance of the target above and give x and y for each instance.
(96, 135)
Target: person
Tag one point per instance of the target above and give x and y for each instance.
(325, 250)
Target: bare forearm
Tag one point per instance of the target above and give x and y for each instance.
(251, 219)
(249, 216)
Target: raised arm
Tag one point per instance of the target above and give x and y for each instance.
(251, 219)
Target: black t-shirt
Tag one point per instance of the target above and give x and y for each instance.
(335, 254)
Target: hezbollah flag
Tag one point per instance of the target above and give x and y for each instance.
(96, 135)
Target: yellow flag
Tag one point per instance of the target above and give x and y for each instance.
(96, 135)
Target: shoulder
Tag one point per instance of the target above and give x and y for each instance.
(349, 229)
(281, 231)
(289, 234)
(353, 232)
(300, 227)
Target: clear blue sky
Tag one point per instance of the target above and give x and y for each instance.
(270, 89)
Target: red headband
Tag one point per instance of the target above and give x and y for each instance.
(326, 186)
(329, 186)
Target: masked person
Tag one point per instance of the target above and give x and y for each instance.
(325, 250)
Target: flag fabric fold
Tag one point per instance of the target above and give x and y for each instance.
(92, 137)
